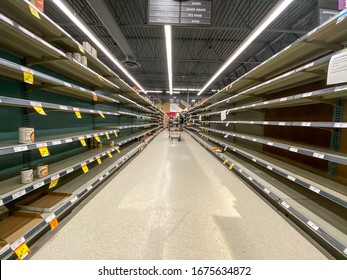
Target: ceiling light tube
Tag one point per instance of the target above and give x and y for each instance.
(100, 45)
(275, 12)
(168, 43)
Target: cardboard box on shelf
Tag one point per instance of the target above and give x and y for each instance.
(40, 4)
(18, 224)
(42, 201)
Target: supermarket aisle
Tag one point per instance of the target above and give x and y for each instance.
(175, 201)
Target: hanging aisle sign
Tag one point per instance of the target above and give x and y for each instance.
(179, 12)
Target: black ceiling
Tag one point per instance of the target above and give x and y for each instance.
(198, 52)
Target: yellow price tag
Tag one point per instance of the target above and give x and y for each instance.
(83, 142)
(77, 113)
(100, 78)
(80, 48)
(231, 166)
(98, 160)
(107, 135)
(118, 150)
(54, 223)
(109, 154)
(40, 110)
(22, 251)
(53, 183)
(85, 168)
(102, 115)
(115, 133)
(28, 77)
(97, 138)
(44, 151)
(34, 12)
(225, 161)
(95, 97)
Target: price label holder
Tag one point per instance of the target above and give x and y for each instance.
(52, 221)
(83, 142)
(95, 97)
(38, 107)
(54, 183)
(28, 76)
(22, 251)
(43, 150)
(98, 159)
(80, 48)
(77, 113)
(34, 12)
(85, 168)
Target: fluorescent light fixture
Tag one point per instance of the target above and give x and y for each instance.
(275, 12)
(168, 36)
(187, 89)
(154, 91)
(85, 30)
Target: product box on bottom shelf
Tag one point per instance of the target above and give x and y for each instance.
(43, 201)
(17, 224)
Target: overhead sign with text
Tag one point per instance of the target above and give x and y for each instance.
(179, 12)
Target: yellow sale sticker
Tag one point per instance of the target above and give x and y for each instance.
(44, 151)
(40, 110)
(98, 160)
(118, 150)
(225, 161)
(115, 133)
(28, 77)
(97, 138)
(53, 183)
(80, 48)
(83, 142)
(102, 115)
(34, 12)
(109, 154)
(107, 135)
(231, 166)
(95, 97)
(100, 78)
(22, 251)
(54, 223)
(85, 168)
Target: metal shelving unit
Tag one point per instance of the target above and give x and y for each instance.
(10, 147)
(15, 71)
(17, 102)
(96, 176)
(320, 41)
(315, 152)
(33, 41)
(44, 27)
(307, 180)
(270, 188)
